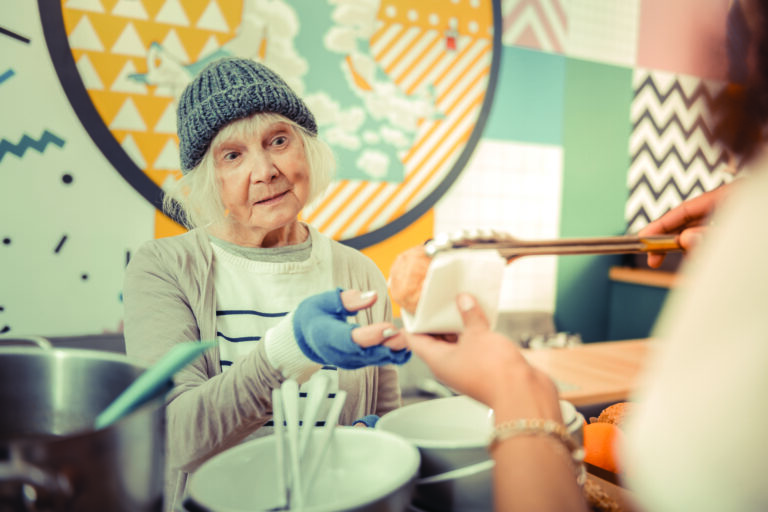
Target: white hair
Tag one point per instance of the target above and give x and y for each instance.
(195, 200)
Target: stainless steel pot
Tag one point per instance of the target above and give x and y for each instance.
(52, 458)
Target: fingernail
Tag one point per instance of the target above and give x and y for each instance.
(367, 295)
(465, 302)
(389, 332)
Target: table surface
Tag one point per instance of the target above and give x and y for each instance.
(593, 373)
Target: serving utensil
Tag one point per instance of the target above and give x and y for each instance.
(326, 437)
(316, 394)
(510, 247)
(282, 483)
(151, 381)
(290, 398)
(301, 461)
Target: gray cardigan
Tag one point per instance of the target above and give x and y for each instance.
(169, 297)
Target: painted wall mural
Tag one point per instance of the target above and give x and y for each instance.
(543, 118)
(399, 90)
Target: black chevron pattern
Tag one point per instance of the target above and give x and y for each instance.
(673, 152)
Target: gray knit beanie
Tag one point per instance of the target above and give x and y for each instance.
(224, 91)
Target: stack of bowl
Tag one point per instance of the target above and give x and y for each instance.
(364, 470)
(452, 436)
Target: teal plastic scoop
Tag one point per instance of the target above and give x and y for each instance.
(149, 383)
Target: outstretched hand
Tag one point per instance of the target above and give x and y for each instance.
(324, 335)
(382, 333)
(488, 367)
(688, 220)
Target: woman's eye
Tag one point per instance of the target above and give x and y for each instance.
(231, 155)
(280, 140)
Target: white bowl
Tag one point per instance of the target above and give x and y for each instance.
(364, 469)
(453, 433)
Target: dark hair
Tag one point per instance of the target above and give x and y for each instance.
(741, 110)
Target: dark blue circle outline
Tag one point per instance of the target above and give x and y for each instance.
(52, 20)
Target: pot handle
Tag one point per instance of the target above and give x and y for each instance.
(34, 480)
(41, 342)
(461, 472)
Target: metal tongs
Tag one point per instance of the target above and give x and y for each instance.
(511, 248)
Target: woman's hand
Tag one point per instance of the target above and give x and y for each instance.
(488, 367)
(382, 333)
(324, 335)
(688, 219)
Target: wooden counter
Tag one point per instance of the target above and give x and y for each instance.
(645, 277)
(593, 373)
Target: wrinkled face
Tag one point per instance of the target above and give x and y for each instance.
(263, 177)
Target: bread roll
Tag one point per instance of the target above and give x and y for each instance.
(614, 414)
(406, 277)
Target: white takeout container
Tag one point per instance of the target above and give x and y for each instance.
(479, 272)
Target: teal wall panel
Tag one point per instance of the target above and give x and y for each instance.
(528, 106)
(634, 310)
(596, 131)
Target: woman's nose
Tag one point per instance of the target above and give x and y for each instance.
(263, 169)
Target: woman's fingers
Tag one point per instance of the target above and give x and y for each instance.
(472, 314)
(691, 237)
(379, 334)
(355, 300)
(655, 259)
(431, 350)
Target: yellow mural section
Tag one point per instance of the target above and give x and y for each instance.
(111, 42)
(450, 52)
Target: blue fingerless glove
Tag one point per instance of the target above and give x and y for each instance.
(369, 420)
(324, 335)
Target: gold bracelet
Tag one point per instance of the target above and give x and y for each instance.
(541, 427)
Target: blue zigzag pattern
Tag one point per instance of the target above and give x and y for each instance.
(28, 142)
(5, 76)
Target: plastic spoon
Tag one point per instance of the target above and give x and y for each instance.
(326, 436)
(316, 393)
(277, 419)
(290, 397)
(146, 386)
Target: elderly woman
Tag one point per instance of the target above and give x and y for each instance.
(251, 161)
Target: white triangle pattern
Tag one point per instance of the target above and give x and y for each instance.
(88, 74)
(173, 45)
(213, 19)
(85, 5)
(124, 84)
(129, 43)
(210, 47)
(172, 13)
(84, 37)
(132, 150)
(130, 9)
(168, 159)
(128, 118)
(167, 121)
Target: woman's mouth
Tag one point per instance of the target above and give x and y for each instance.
(272, 199)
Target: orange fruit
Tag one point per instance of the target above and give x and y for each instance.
(601, 442)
